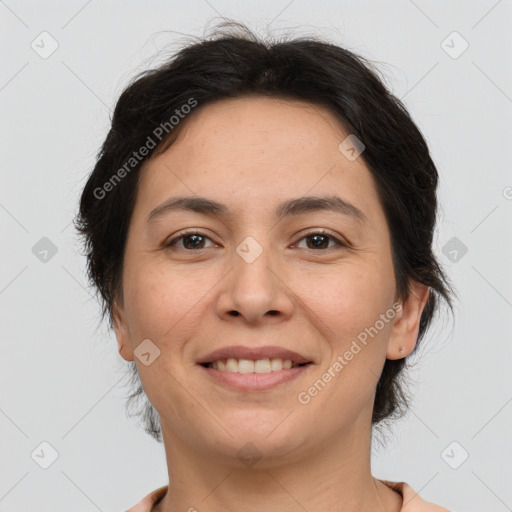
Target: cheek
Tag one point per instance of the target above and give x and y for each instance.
(351, 299)
(356, 338)
(162, 303)
(165, 309)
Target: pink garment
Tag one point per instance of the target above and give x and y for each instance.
(412, 502)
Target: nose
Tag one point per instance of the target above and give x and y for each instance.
(255, 290)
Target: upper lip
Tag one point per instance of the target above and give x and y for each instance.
(254, 353)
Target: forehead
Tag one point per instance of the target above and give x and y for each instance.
(257, 149)
(261, 127)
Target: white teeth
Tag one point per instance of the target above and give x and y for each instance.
(262, 366)
(245, 366)
(231, 365)
(248, 366)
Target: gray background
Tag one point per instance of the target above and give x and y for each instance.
(60, 374)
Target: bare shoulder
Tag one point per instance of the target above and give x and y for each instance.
(412, 501)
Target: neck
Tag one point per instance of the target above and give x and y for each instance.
(337, 477)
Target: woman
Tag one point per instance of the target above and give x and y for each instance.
(259, 225)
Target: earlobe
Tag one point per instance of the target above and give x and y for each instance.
(405, 330)
(122, 333)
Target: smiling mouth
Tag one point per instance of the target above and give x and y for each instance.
(244, 366)
(254, 375)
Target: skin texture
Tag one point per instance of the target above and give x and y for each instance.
(251, 154)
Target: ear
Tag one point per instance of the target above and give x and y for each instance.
(122, 332)
(404, 333)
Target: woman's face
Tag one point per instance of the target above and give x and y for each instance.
(253, 278)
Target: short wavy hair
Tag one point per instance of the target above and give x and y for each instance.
(233, 62)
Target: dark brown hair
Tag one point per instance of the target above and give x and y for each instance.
(232, 63)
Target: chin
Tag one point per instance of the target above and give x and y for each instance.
(271, 443)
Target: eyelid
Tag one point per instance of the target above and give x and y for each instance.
(184, 234)
(340, 241)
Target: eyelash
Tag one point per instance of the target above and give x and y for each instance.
(324, 233)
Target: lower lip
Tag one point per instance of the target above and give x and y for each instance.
(255, 381)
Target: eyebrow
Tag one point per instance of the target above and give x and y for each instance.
(209, 207)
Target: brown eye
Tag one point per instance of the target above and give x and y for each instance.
(320, 240)
(191, 240)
